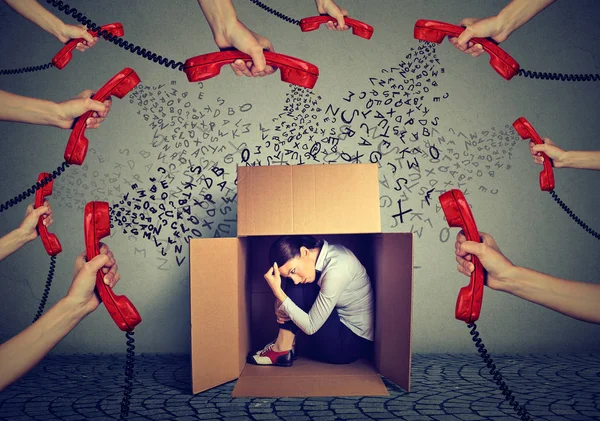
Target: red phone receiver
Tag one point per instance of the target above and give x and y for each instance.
(49, 240)
(96, 225)
(526, 131)
(458, 214)
(434, 31)
(293, 70)
(119, 85)
(359, 28)
(64, 56)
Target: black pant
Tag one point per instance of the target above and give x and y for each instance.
(333, 343)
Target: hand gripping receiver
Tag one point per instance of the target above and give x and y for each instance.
(526, 131)
(293, 70)
(49, 240)
(64, 56)
(359, 28)
(96, 225)
(458, 214)
(119, 85)
(434, 31)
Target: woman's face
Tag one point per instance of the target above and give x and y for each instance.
(301, 269)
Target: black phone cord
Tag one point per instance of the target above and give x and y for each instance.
(19, 198)
(497, 377)
(132, 48)
(107, 35)
(26, 69)
(129, 376)
(275, 12)
(560, 76)
(573, 216)
(46, 289)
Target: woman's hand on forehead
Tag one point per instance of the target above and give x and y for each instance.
(273, 277)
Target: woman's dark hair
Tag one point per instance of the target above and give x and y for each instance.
(288, 246)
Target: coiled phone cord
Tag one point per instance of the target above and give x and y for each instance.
(129, 376)
(26, 69)
(559, 76)
(522, 72)
(46, 288)
(497, 377)
(275, 12)
(573, 216)
(35, 187)
(81, 18)
(132, 48)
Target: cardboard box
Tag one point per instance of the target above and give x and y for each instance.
(232, 309)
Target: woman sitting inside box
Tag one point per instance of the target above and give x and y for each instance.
(327, 294)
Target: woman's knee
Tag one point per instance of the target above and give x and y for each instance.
(303, 295)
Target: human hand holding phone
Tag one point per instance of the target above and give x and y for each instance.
(436, 31)
(96, 225)
(458, 214)
(119, 85)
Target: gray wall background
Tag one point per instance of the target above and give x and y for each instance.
(530, 228)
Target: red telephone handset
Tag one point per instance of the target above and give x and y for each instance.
(49, 240)
(458, 214)
(64, 56)
(526, 131)
(96, 225)
(293, 70)
(119, 85)
(434, 31)
(359, 28)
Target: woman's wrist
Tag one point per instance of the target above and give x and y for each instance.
(504, 27)
(59, 117)
(60, 31)
(46, 112)
(76, 307)
(23, 237)
(577, 159)
(510, 280)
(279, 294)
(53, 25)
(222, 19)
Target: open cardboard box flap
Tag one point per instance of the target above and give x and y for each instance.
(308, 199)
(226, 277)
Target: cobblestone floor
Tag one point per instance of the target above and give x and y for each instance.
(444, 388)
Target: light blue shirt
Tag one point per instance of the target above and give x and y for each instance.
(345, 286)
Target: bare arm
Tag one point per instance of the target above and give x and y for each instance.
(28, 110)
(220, 15)
(587, 160)
(26, 232)
(22, 352)
(519, 12)
(579, 300)
(40, 111)
(12, 242)
(228, 32)
(36, 13)
(499, 27)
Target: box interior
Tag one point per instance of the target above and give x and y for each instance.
(232, 304)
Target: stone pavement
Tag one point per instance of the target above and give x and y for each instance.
(444, 388)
